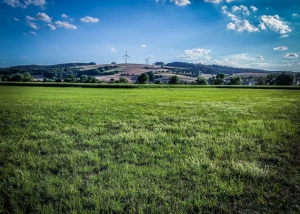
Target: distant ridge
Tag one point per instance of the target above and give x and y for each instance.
(191, 67)
(215, 69)
(70, 64)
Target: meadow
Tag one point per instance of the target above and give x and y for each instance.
(149, 150)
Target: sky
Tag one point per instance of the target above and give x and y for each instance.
(263, 34)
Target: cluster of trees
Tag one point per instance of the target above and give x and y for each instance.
(149, 76)
(121, 80)
(58, 73)
(210, 69)
(26, 77)
(284, 78)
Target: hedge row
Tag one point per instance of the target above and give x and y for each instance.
(106, 85)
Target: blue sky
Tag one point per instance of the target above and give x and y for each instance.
(241, 33)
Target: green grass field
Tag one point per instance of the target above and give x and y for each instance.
(198, 150)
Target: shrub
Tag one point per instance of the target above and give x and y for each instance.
(143, 78)
(123, 80)
(174, 80)
(201, 80)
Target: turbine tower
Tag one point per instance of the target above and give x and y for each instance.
(126, 55)
(147, 60)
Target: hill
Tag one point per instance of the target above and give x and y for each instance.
(187, 72)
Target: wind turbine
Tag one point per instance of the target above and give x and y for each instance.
(126, 55)
(147, 60)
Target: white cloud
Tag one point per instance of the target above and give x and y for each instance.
(52, 27)
(113, 49)
(66, 25)
(228, 1)
(281, 48)
(244, 57)
(14, 3)
(254, 9)
(32, 32)
(43, 17)
(181, 2)
(40, 3)
(215, 1)
(33, 25)
(241, 26)
(274, 23)
(89, 19)
(64, 15)
(260, 58)
(143, 46)
(39, 16)
(262, 26)
(241, 8)
(284, 36)
(17, 3)
(291, 55)
(17, 20)
(230, 15)
(195, 53)
(29, 18)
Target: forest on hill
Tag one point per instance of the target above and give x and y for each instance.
(215, 69)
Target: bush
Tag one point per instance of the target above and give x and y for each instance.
(174, 80)
(123, 80)
(112, 80)
(27, 77)
(143, 78)
(237, 80)
(219, 79)
(16, 78)
(201, 81)
(151, 76)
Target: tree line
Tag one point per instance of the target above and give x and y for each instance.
(283, 78)
(55, 73)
